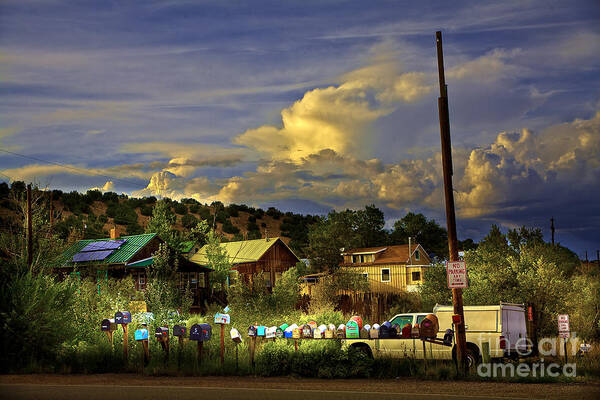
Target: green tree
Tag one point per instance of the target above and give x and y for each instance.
(422, 230)
(218, 260)
(162, 222)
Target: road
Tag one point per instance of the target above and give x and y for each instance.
(113, 386)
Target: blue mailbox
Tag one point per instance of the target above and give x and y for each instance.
(122, 317)
(261, 330)
(141, 334)
(200, 332)
(179, 330)
(251, 330)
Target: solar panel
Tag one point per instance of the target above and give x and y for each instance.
(92, 255)
(103, 245)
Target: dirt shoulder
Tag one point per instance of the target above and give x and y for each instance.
(516, 390)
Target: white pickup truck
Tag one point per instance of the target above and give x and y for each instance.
(503, 326)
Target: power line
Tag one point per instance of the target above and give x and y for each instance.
(80, 170)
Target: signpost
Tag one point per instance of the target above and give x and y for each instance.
(564, 331)
(456, 272)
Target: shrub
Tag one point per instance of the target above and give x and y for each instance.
(189, 221)
(180, 209)
(228, 227)
(146, 210)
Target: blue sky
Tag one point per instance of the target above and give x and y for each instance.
(310, 106)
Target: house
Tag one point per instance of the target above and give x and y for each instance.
(259, 258)
(389, 268)
(120, 257)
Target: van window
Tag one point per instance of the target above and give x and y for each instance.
(402, 320)
(420, 318)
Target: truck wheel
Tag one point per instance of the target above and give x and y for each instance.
(364, 349)
(472, 358)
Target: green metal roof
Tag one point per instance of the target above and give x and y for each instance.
(141, 263)
(123, 254)
(241, 251)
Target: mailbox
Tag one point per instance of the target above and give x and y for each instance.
(222, 319)
(306, 331)
(387, 331)
(352, 330)
(122, 317)
(322, 328)
(281, 329)
(364, 332)
(251, 330)
(235, 336)
(358, 320)
(448, 337)
(374, 331)
(296, 333)
(313, 325)
(270, 332)
(162, 333)
(429, 326)
(200, 332)
(329, 333)
(341, 331)
(415, 330)
(261, 330)
(407, 331)
(289, 331)
(108, 325)
(179, 330)
(141, 334)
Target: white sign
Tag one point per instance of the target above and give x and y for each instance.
(457, 274)
(563, 326)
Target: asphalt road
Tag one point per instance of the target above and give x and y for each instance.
(112, 386)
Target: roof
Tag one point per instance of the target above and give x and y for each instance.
(120, 256)
(242, 251)
(398, 254)
(186, 247)
(141, 263)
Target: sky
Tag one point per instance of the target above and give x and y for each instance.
(310, 106)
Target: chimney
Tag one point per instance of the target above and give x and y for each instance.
(113, 233)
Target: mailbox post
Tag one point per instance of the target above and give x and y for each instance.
(162, 335)
(222, 320)
(124, 318)
(108, 326)
(200, 333)
(141, 335)
(237, 339)
(179, 331)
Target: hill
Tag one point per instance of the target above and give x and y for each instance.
(92, 214)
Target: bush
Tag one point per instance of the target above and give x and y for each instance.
(189, 221)
(228, 227)
(252, 226)
(180, 209)
(146, 210)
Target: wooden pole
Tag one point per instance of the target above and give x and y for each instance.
(146, 353)
(457, 300)
(222, 344)
(200, 345)
(51, 211)
(29, 229)
(552, 229)
(125, 341)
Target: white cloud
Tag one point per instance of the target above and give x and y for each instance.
(109, 186)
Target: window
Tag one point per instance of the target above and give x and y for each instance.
(385, 275)
(420, 318)
(417, 255)
(416, 276)
(362, 258)
(355, 259)
(365, 275)
(201, 280)
(402, 320)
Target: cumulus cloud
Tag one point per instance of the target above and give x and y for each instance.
(338, 117)
(489, 68)
(109, 186)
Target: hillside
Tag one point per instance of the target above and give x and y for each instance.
(94, 213)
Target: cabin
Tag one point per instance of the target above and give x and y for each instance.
(389, 269)
(120, 257)
(253, 259)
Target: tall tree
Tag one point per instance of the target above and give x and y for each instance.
(422, 230)
(162, 222)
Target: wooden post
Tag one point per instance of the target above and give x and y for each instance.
(565, 348)
(29, 229)
(295, 344)
(109, 334)
(200, 345)
(222, 344)
(552, 229)
(457, 300)
(146, 352)
(125, 341)
(51, 211)
(179, 352)
(252, 347)
(236, 356)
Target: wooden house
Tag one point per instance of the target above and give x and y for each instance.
(389, 269)
(120, 257)
(251, 259)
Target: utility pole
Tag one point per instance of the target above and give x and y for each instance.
(552, 229)
(29, 229)
(51, 211)
(457, 300)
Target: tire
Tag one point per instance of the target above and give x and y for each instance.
(364, 349)
(472, 358)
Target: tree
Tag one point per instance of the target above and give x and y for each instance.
(218, 260)
(426, 232)
(343, 230)
(162, 222)
(189, 221)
